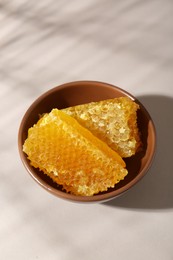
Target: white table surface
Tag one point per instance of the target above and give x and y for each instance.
(128, 43)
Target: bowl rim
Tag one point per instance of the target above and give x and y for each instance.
(97, 197)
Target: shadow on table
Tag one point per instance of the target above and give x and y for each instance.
(155, 190)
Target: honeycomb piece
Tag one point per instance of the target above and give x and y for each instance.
(72, 156)
(114, 121)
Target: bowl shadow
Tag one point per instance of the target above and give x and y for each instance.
(155, 190)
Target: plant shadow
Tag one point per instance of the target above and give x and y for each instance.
(155, 190)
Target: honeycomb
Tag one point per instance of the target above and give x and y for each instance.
(72, 156)
(114, 121)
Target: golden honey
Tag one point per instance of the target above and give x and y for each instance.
(114, 121)
(72, 156)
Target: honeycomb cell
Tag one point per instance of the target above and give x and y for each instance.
(114, 121)
(72, 156)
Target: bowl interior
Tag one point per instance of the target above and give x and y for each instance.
(76, 93)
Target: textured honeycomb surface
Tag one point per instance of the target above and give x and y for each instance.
(72, 156)
(114, 121)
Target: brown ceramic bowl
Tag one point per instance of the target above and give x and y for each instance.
(81, 92)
